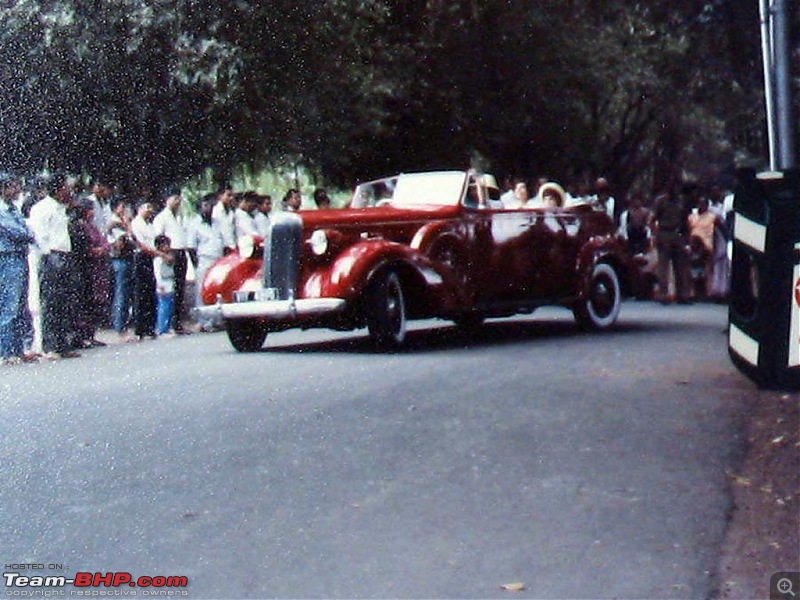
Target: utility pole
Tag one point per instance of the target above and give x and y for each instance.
(775, 45)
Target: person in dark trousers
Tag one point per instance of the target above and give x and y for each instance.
(50, 223)
(171, 223)
(669, 223)
(122, 249)
(144, 294)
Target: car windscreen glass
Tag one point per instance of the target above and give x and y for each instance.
(444, 188)
(374, 193)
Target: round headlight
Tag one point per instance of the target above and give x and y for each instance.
(319, 242)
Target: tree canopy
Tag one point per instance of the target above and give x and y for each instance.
(154, 91)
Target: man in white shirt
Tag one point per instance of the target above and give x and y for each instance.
(223, 215)
(50, 225)
(243, 220)
(171, 223)
(262, 213)
(206, 240)
(144, 280)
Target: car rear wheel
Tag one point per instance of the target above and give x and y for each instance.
(386, 311)
(601, 302)
(246, 335)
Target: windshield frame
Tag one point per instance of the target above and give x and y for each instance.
(438, 188)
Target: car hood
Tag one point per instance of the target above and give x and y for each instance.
(373, 216)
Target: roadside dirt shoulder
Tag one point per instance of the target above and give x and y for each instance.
(763, 535)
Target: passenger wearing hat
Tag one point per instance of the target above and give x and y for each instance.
(551, 195)
(14, 240)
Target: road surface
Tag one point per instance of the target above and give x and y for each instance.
(579, 465)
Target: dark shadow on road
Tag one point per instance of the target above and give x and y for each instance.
(492, 333)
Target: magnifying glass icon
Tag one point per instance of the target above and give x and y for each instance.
(785, 586)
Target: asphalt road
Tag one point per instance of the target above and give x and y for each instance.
(581, 465)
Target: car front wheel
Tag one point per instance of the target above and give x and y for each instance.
(600, 305)
(386, 311)
(246, 335)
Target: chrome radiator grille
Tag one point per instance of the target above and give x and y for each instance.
(282, 255)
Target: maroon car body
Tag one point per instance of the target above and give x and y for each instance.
(414, 246)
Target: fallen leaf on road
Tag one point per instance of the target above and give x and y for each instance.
(513, 587)
(740, 480)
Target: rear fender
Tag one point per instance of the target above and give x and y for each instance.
(602, 250)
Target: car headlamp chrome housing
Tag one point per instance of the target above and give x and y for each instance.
(319, 242)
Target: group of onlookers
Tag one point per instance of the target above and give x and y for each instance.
(72, 263)
(691, 229)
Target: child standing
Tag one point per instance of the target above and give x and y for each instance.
(165, 284)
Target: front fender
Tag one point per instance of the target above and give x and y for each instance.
(230, 274)
(348, 276)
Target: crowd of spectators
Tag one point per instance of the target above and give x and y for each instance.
(73, 261)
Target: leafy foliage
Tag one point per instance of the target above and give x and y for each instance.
(151, 91)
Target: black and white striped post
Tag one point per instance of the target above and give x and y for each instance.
(764, 313)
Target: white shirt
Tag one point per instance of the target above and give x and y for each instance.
(50, 225)
(166, 223)
(245, 225)
(206, 239)
(165, 276)
(224, 222)
(144, 232)
(262, 223)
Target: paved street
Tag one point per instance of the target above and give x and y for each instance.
(583, 466)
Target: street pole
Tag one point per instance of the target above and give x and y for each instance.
(769, 99)
(783, 85)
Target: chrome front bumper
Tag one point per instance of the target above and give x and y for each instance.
(276, 310)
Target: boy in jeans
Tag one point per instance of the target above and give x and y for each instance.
(165, 284)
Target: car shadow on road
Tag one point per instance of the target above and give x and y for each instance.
(494, 333)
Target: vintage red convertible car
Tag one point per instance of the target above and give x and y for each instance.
(419, 245)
